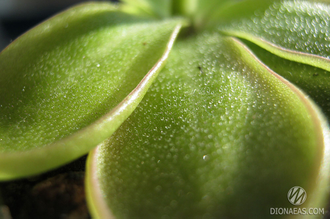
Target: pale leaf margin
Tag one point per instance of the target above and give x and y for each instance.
(96, 200)
(35, 161)
(319, 185)
(98, 207)
(297, 56)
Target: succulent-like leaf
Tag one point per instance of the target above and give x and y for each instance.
(218, 135)
(206, 10)
(154, 8)
(200, 11)
(294, 30)
(67, 84)
(314, 81)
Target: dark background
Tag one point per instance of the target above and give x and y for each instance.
(57, 194)
(17, 16)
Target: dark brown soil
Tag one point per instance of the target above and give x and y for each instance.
(58, 194)
(53, 195)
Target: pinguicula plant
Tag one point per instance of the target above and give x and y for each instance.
(189, 108)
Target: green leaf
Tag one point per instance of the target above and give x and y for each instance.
(294, 30)
(199, 11)
(314, 81)
(67, 84)
(218, 135)
(206, 10)
(154, 8)
(185, 7)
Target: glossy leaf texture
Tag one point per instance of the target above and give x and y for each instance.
(67, 84)
(218, 135)
(294, 30)
(314, 81)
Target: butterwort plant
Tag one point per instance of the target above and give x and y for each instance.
(188, 108)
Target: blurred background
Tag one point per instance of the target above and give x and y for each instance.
(17, 16)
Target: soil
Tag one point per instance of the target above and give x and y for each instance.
(58, 194)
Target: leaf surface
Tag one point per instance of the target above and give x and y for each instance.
(314, 81)
(294, 30)
(218, 135)
(154, 8)
(67, 84)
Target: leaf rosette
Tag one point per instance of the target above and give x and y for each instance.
(236, 117)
